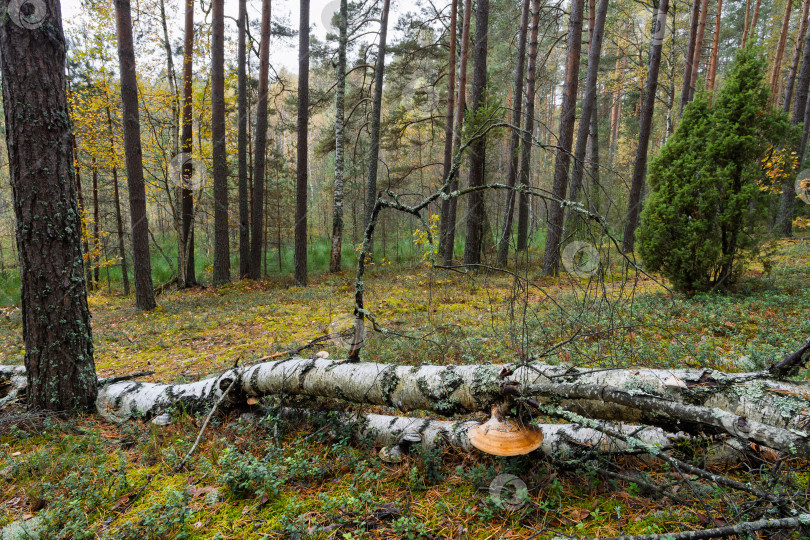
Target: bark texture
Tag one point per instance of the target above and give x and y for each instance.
(257, 216)
(589, 101)
(340, 139)
(515, 135)
(142, 265)
(185, 252)
(748, 406)
(450, 205)
(448, 122)
(376, 116)
(473, 241)
(551, 257)
(645, 128)
(302, 176)
(222, 250)
(242, 151)
(787, 203)
(56, 320)
(522, 241)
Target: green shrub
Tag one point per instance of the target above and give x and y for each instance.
(698, 226)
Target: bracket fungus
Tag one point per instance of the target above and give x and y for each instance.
(500, 436)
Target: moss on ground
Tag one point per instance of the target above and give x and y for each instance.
(275, 478)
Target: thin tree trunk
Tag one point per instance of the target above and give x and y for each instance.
(787, 205)
(244, 209)
(259, 161)
(514, 141)
(475, 213)
(448, 125)
(172, 80)
(82, 220)
(551, 257)
(588, 103)
(690, 55)
(303, 149)
(712, 75)
(746, 25)
(797, 54)
(340, 139)
(526, 145)
(752, 30)
(780, 51)
(458, 122)
(701, 32)
(645, 125)
(376, 117)
(119, 222)
(222, 250)
(186, 242)
(593, 200)
(55, 318)
(616, 110)
(96, 232)
(141, 263)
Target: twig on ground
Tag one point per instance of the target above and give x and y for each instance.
(802, 520)
(205, 425)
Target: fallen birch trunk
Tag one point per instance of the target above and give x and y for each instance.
(746, 405)
(559, 440)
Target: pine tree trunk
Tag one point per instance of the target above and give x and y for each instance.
(712, 75)
(141, 263)
(461, 103)
(551, 257)
(302, 183)
(797, 54)
(185, 252)
(515, 136)
(57, 335)
(690, 55)
(448, 124)
(475, 214)
(752, 30)
(787, 205)
(259, 161)
(222, 250)
(645, 127)
(244, 196)
(780, 51)
(701, 32)
(588, 103)
(746, 24)
(526, 145)
(376, 117)
(340, 139)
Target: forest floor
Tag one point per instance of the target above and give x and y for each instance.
(272, 478)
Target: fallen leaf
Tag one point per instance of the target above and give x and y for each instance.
(196, 492)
